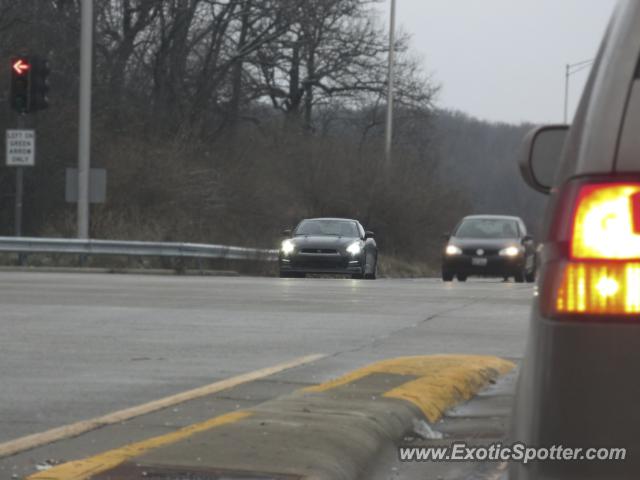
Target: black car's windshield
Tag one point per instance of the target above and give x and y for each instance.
(487, 228)
(336, 228)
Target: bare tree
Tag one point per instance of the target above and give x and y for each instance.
(190, 99)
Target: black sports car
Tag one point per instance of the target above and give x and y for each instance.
(489, 246)
(329, 246)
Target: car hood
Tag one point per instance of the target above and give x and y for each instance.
(486, 243)
(322, 241)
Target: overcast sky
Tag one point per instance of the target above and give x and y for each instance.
(504, 60)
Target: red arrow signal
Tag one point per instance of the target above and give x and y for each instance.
(20, 66)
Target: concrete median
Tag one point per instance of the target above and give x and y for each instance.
(330, 431)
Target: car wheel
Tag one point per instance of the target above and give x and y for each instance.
(357, 276)
(447, 276)
(519, 277)
(370, 265)
(285, 274)
(462, 278)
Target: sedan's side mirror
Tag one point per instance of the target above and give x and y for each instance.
(286, 232)
(368, 234)
(446, 235)
(527, 239)
(541, 155)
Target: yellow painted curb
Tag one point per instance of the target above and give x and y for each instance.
(441, 381)
(435, 384)
(73, 430)
(83, 469)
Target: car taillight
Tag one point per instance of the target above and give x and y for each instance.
(600, 289)
(606, 224)
(601, 275)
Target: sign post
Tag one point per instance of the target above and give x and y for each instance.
(19, 195)
(21, 152)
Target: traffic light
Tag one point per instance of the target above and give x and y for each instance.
(39, 84)
(20, 83)
(29, 83)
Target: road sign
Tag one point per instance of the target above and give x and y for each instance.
(97, 185)
(21, 148)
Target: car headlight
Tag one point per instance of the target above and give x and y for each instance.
(354, 249)
(288, 247)
(509, 252)
(453, 250)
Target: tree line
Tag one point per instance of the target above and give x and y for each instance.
(226, 120)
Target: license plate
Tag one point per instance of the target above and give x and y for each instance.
(479, 262)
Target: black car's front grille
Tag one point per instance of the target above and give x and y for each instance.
(321, 251)
(487, 252)
(329, 263)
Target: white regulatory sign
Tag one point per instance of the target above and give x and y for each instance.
(21, 148)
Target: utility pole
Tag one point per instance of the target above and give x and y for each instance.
(84, 129)
(390, 85)
(570, 70)
(566, 93)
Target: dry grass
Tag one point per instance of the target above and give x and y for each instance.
(394, 267)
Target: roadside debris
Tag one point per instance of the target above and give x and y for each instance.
(424, 430)
(47, 464)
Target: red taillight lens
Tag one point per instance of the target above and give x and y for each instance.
(605, 223)
(635, 201)
(599, 288)
(602, 274)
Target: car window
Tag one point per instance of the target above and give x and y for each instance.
(487, 228)
(338, 228)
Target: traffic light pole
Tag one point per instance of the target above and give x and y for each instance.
(29, 88)
(19, 195)
(19, 188)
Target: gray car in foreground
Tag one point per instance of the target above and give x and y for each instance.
(579, 385)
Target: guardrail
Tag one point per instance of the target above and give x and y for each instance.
(32, 245)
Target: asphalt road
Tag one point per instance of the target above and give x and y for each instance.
(75, 346)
